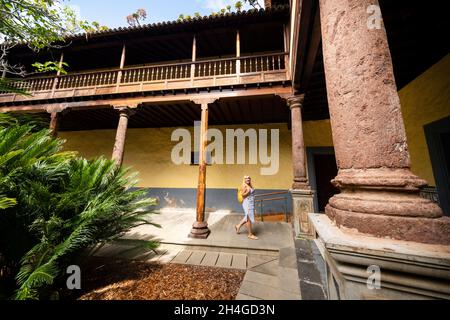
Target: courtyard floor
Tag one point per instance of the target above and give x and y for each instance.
(271, 265)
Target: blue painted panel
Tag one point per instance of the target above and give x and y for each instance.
(217, 199)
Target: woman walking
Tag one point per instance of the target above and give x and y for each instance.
(248, 193)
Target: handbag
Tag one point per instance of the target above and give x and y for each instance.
(240, 197)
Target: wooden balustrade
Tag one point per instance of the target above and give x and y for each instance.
(165, 72)
(263, 63)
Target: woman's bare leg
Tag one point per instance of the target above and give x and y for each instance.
(249, 227)
(250, 231)
(239, 226)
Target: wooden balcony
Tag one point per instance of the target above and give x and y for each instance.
(265, 68)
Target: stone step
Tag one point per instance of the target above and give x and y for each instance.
(212, 259)
(274, 279)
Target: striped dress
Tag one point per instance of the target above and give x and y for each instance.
(249, 206)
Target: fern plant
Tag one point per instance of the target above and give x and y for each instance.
(56, 205)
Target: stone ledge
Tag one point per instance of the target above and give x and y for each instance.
(430, 230)
(335, 238)
(409, 270)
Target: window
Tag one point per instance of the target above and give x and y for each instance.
(195, 158)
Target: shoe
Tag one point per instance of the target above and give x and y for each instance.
(253, 237)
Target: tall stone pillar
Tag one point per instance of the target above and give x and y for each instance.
(200, 227)
(379, 194)
(302, 195)
(121, 134)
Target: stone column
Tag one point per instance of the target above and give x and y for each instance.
(295, 103)
(55, 113)
(54, 124)
(121, 134)
(302, 195)
(379, 194)
(200, 227)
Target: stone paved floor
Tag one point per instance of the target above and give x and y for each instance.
(310, 270)
(276, 279)
(177, 224)
(278, 267)
(270, 275)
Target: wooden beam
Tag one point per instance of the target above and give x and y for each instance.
(194, 48)
(121, 66)
(249, 92)
(301, 36)
(123, 57)
(311, 57)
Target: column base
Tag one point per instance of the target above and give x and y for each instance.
(199, 230)
(417, 229)
(361, 267)
(386, 203)
(303, 204)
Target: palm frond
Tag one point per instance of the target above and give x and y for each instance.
(63, 205)
(7, 202)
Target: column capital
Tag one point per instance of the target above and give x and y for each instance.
(127, 106)
(57, 108)
(295, 101)
(127, 111)
(204, 101)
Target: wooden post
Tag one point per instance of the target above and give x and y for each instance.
(200, 227)
(194, 59)
(58, 73)
(238, 54)
(286, 50)
(121, 134)
(122, 65)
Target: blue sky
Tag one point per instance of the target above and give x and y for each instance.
(112, 13)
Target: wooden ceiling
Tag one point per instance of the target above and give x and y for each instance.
(183, 114)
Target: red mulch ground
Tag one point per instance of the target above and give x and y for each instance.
(106, 279)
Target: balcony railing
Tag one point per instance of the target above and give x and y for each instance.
(266, 67)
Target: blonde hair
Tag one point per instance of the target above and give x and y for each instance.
(244, 184)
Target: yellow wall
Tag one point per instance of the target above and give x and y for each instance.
(425, 100)
(317, 133)
(148, 151)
